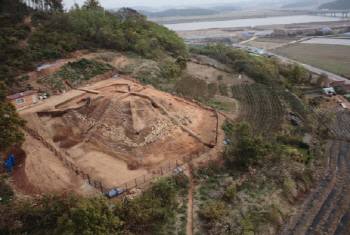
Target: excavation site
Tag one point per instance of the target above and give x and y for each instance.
(112, 132)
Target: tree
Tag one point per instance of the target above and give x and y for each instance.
(182, 62)
(90, 216)
(245, 149)
(10, 123)
(325, 117)
(56, 5)
(92, 4)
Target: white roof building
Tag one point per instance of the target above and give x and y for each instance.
(328, 90)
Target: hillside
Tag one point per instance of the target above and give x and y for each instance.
(179, 12)
(189, 11)
(203, 140)
(300, 4)
(336, 5)
(29, 37)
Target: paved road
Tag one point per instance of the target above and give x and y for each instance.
(284, 59)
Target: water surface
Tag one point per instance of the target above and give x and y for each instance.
(251, 22)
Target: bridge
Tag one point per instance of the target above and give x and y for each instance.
(333, 13)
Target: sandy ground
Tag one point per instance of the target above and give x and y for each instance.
(47, 174)
(210, 74)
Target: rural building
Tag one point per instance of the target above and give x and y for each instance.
(263, 33)
(23, 99)
(328, 91)
(326, 29)
(279, 33)
(340, 86)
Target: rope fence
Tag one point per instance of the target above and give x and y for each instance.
(153, 174)
(162, 170)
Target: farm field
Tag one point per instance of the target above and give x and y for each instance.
(326, 207)
(259, 106)
(340, 126)
(268, 43)
(332, 58)
(328, 41)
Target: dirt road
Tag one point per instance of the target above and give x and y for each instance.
(189, 227)
(326, 210)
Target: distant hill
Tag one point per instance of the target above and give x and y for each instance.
(304, 3)
(138, 8)
(226, 8)
(179, 12)
(300, 4)
(337, 5)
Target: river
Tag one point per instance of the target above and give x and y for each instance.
(251, 22)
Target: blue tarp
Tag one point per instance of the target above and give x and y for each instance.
(326, 29)
(246, 34)
(12, 159)
(8, 165)
(48, 65)
(115, 76)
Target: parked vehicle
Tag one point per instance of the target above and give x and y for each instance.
(114, 192)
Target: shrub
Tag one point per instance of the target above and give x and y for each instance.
(231, 193)
(223, 89)
(214, 210)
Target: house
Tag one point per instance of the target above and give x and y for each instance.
(328, 91)
(23, 99)
(279, 33)
(326, 29)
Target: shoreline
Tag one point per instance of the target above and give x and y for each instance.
(232, 31)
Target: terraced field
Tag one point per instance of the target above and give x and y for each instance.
(340, 127)
(260, 106)
(326, 210)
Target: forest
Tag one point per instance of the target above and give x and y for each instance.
(35, 31)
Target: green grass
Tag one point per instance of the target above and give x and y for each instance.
(224, 104)
(223, 89)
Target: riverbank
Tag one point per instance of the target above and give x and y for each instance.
(234, 31)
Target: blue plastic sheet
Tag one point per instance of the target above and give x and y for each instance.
(12, 159)
(8, 165)
(47, 66)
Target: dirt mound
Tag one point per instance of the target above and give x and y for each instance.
(126, 131)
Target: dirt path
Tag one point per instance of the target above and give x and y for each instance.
(249, 40)
(326, 210)
(189, 227)
(24, 42)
